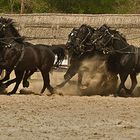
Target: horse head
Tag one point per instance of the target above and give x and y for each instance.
(4, 23)
(70, 45)
(84, 35)
(79, 40)
(8, 31)
(108, 40)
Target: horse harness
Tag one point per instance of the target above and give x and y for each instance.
(21, 56)
(13, 44)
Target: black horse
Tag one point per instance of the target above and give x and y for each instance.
(6, 26)
(79, 48)
(17, 55)
(83, 38)
(73, 57)
(123, 59)
(59, 51)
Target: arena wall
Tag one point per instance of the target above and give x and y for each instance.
(54, 28)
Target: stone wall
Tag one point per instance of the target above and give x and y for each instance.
(54, 28)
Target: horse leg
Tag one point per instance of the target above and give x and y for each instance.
(5, 85)
(46, 80)
(19, 76)
(72, 70)
(7, 76)
(25, 82)
(63, 83)
(26, 76)
(123, 78)
(0, 71)
(8, 83)
(134, 82)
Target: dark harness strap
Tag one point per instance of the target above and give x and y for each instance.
(21, 57)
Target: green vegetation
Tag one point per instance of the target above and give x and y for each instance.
(71, 6)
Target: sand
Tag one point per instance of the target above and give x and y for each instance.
(69, 117)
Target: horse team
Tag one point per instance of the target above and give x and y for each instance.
(107, 45)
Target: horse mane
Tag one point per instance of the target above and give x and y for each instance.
(122, 36)
(114, 31)
(75, 29)
(87, 26)
(9, 22)
(103, 28)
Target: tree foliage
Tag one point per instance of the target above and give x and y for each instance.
(71, 6)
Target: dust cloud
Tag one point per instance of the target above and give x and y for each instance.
(96, 79)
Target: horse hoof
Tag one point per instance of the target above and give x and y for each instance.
(59, 86)
(61, 94)
(26, 84)
(115, 95)
(128, 95)
(2, 89)
(50, 94)
(41, 94)
(10, 93)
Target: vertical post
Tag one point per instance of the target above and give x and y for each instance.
(11, 6)
(22, 7)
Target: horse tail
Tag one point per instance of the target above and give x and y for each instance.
(60, 53)
(61, 56)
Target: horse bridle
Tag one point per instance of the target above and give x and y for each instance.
(5, 25)
(4, 38)
(70, 40)
(11, 43)
(83, 41)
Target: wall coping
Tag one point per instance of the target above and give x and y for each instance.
(62, 14)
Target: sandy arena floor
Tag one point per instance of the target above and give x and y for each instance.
(34, 117)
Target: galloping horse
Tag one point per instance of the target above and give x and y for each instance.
(123, 59)
(59, 51)
(77, 50)
(73, 55)
(19, 56)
